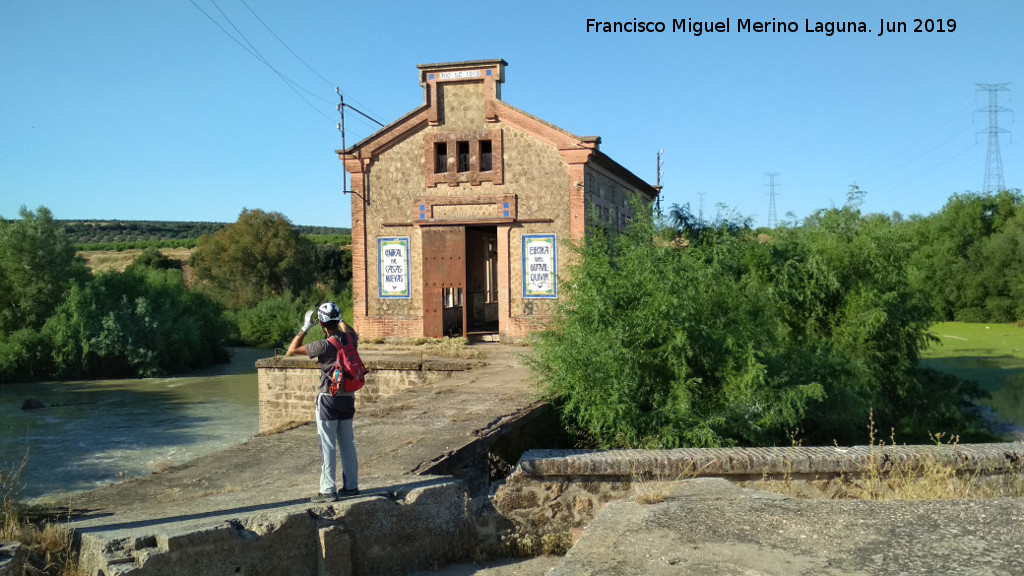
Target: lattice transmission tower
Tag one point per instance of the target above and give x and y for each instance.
(773, 220)
(994, 159)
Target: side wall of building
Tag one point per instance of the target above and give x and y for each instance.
(608, 199)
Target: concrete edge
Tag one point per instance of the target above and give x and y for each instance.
(377, 362)
(824, 460)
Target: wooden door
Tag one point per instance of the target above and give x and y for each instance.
(444, 281)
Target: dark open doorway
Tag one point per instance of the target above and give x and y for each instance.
(481, 280)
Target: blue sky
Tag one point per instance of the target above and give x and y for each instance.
(150, 111)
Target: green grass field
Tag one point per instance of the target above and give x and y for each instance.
(990, 354)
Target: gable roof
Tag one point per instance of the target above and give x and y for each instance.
(573, 147)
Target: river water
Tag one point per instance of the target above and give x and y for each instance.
(95, 432)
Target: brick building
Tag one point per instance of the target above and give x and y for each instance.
(463, 210)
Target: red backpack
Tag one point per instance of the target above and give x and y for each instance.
(349, 374)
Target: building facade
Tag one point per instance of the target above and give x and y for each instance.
(464, 209)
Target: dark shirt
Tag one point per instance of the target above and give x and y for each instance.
(342, 405)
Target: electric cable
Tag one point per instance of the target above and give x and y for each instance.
(255, 54)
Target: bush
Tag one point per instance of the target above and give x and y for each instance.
(657, 346)
(151, 257)
(740, 340)
(141, 322)
(274, 321)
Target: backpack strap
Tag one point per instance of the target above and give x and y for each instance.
(335, 341)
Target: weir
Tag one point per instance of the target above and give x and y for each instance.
(424, 430)
(425, 433)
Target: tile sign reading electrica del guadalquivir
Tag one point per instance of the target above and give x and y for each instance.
(539, 273)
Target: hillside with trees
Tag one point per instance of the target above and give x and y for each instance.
(139, 234)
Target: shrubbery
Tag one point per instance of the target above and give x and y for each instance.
(731, 338)
(274, 321)
(60, 322)
(140, 322)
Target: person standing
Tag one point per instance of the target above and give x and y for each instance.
(334, 413)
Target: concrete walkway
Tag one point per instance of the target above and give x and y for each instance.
(396, 437)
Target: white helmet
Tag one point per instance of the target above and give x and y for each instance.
(328, 312)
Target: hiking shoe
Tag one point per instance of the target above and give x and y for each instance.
(348, 492)
(324, 497)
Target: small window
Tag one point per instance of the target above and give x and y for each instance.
(485, 156)
(451, 297)
(440, 157)
(462, 149)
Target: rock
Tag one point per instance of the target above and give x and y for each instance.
(32, 404)
(12, 558)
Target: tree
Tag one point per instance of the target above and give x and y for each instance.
(38, 266)
(663, 344)
(731, 337)
(140, 322)
(968, 257)
(151, 257)
(258, 256)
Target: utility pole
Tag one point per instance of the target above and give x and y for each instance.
(700, 209)
(341, 128)
(657, 186)
(773, 221)
(994, 160)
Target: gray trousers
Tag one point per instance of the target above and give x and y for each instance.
(335, 436)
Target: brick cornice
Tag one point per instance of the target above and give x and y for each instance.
(388, 136)
(547, 132)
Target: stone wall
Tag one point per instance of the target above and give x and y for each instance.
(534, 174)
(288, 384)
(417, 526)
(607, 200)
(558, 490)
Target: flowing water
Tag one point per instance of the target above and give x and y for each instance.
(95, 432)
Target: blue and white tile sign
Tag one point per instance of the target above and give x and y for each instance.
(393, 267)
(539, 266)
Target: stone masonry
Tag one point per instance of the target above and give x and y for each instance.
(541, 180)
(288, 384)
(558, 490)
